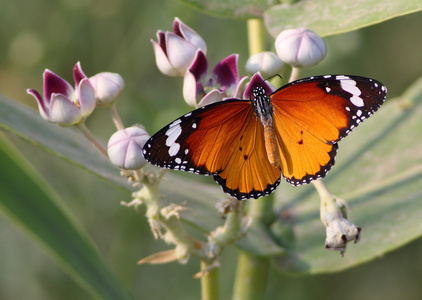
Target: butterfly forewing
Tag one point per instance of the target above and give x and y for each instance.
(330, 106)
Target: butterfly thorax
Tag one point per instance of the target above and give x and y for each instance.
(264, 110)
(262, 104)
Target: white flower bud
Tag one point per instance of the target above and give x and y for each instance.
(125, 148)
(339, 229)
(300, 47)
(108, 87)
(267, 63)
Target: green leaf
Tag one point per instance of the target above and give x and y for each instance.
(329, 17)
(240, 9)
(379, 172)
(32, 204)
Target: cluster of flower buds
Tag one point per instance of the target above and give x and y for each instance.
(299, 48)
(183, 53)
(66, 106)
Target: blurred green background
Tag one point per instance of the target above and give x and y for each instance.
(115, 36)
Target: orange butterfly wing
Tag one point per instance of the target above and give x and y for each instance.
(313, 114)
(224, 139)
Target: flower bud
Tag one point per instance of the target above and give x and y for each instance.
(200, 89)
(175, 51)
(125, 148)
(108, 87)
(195, 79)
(339, 229)
(267, 63)
(257, 81)
(61, 103)
(300, 47)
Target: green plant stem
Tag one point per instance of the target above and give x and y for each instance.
(90, 137)
(116, 117)
(255, 36)
(294, 75)
(251, 277)
(210, 284)
(252, 270)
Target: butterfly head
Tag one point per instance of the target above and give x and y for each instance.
(258, 91)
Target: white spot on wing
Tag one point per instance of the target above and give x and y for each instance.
(174, 149)
(357, 101)
(175, 123)
(342, 77)
(173, 133)
(349, 86)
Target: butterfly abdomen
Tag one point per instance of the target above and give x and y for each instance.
(271, 146)
(264, 110)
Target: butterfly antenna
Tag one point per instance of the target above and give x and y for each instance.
(275, 75)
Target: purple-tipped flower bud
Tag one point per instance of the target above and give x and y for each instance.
(108, 87)
(300, 47)
(175, 51)
(125, 148)
(61, 103)
(267, 63)
(200, 89)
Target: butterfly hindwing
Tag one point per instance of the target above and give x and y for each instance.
(223, 139)
(311, 115)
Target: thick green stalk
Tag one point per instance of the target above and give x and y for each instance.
(255, 36)
(251, 277)
(210, 284)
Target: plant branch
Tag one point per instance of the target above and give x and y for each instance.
(116, 117)
(210, 285)
(90, 137)
(251, 277)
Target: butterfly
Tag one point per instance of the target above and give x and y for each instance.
(248, 145)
